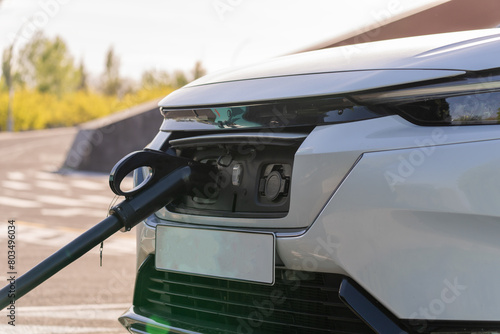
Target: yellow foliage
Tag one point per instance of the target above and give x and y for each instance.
(33, 110)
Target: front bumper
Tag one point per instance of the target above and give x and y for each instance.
(299, 302)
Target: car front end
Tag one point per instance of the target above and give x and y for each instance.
(353, 190)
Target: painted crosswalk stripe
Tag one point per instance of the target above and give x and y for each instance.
(46, 176)
(51, 185)
(16, 185)
(62, 201)
(87, 311)
(57, 237)
(38, 329)
(71, 212)
(17, 176)
(89, 185)
(18, 203)
(99, 199)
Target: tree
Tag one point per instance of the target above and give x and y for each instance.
(111, 81)
(198, 70)
(155, 78)
(47, 65)
(10, 77)
(7, 75)
(7, 66)
(179, 79)
(82, 75)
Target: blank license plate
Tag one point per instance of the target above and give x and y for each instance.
(247, 256)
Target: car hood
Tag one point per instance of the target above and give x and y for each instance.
(346, 69)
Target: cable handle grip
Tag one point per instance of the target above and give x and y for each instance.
(159, 163)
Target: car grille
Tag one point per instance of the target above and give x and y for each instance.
(297, 303)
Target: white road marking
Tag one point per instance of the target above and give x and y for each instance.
(16, 185)
(38, 329)
(64, 201)
(119, 245)
(52, 167)
(51, 185)
(116, 245)
(70, 212)
(123, 306)
(89, 185)
(43, 236)
(18, 203)
(97, 199)
(88, 311)
(18, 176)
(46, 176)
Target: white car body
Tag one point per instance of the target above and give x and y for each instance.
(407, 212)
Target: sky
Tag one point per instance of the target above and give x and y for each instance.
(174, 34)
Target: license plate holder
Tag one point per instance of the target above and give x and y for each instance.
(233, 255)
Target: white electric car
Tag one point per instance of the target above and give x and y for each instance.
(357, 191)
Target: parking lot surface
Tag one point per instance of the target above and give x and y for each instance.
(51, 208)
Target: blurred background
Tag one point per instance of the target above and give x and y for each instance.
(79, 88)
(65, 62)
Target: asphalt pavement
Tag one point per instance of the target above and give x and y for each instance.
(50, 208)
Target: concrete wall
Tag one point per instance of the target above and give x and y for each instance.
(99, 144)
